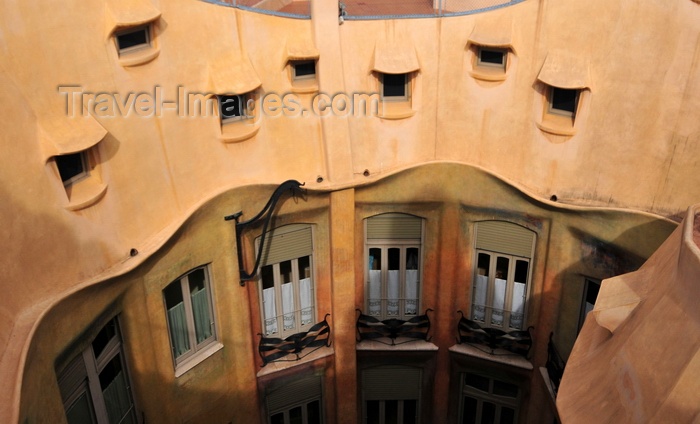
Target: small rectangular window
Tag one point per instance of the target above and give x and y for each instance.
(492, 57)
(190, 314)
(394, 86)
(133, 39)
(304, 70)
(232, 108)
(563, 101)
(72, 167)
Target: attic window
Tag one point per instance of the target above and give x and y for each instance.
(133, 39)
(394, 86)
(563, 101)
(232, 108)
(304, 69)
(72, 167)
(565, 89)
(490, 57)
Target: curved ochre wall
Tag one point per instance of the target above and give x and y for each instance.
(570, 242)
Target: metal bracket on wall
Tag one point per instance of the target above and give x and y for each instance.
(264, 215)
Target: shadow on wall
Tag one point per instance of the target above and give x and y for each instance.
(202, 394)
(600, 260)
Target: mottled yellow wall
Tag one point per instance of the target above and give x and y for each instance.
(450, 197)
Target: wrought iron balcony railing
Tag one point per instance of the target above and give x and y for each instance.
(272, 349)
(555, 365)
(518, 342)
(370, 328)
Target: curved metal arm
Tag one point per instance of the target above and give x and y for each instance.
(265, 214)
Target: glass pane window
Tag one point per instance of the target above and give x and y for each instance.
(469, 411)
(563, 101)
(277, 418)
(394, 86)
(103, 338)
(287, 297)
(231, 107)
(313, 412)
(499, 294)
(502, 388)
(133, 39)
(72, 167)
(304, 69)
(373, 412)
(391, 411)
(393, 281)
(492, 57)
(190, 314)
(80, 412)
(488, 401)
(304, 413)
(95, 385)
(477, 381)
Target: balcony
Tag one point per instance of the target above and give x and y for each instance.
(493, 340)
(297, 346)
(393, 331)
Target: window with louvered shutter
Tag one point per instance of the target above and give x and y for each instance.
(287, 291)
(391, 394)
(393, 268)
(501, 274)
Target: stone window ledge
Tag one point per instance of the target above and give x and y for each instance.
(238, 131)
(404, 344)
(85, 193)
(140, 57)
(500, 356)
(278, 366)
(198, 358)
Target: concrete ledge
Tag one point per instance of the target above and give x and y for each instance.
(404, 344)
(500, 356)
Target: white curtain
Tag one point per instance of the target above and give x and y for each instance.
(270, 310)
(411, 291)
(518, 306)
(499, 301)
(177, 324)
(480, 289)
(202, 319)
(288, 305)
(392, 293)
(375, 292)
(117, 399)
(306, 298)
